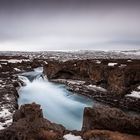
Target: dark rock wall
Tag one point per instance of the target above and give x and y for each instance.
(107, 118)
(117, 79)
(29, 124)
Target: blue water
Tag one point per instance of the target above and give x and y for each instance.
(58, 104)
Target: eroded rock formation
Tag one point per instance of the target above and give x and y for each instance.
(118, 80)
(106, 118)
(29, 124)
(118, 77)
(108, 135)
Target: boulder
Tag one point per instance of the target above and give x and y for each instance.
(29, 124)
(108, 135)
(103, 117)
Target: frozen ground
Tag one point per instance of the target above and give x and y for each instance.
(57, 55)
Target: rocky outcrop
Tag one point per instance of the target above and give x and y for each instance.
(117, 79)
(108, 135)
(29, 124)
(103, 117)
(10, 66)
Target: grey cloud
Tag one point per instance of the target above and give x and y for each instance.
(69, 25)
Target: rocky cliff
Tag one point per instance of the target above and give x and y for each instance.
(29, 124)
(117, 77)
(108, 81)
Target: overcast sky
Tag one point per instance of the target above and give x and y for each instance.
(37, 25)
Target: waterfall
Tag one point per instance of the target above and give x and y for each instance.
(57, 106)
(24, 79)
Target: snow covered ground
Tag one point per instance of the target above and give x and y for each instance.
(135, 94)
(16, 69)
(112, 64)
(132, 52)
(84, 54)
(72, 137)
(96, 88)
(7, 116)
(14, 60)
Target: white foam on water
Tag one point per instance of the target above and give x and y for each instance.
(55, 102)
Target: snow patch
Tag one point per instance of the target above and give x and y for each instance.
(16, 69)
(73, 82)
(5, 124)
(132, 52)
(46, 62)
(78, 82)
(138, 87)
(98, 62)
(15, 60)
(5, 113)
(135, 94)
(39, 69)
(72, 137)
(4, 63)
(96, 88)
(1, 127)
(122, 65)
(7, 98)
(7, 117)
(129, 60)
(2, 85)
(112, 64)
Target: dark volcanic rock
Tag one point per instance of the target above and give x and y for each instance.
(27, 111)
(121, 79)
(118, 80)
(108, 135)
(10, 66)
(103, 117)
(29, 124)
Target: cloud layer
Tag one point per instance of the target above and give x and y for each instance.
(35, 25)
